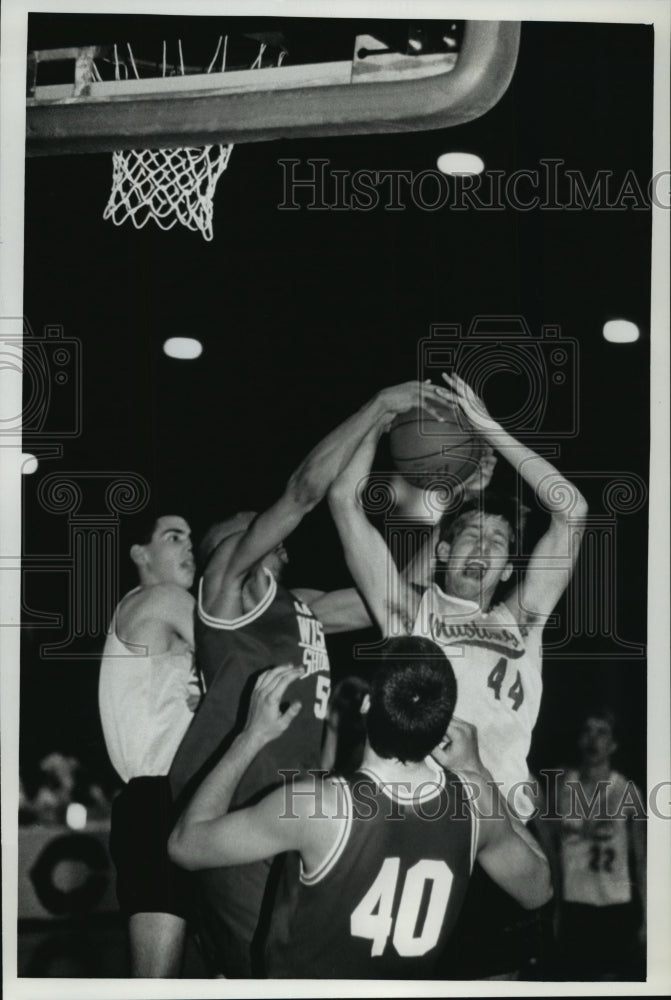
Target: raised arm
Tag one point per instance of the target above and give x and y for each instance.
(307, 486)
(337, 610)
(554, 556)
(392, 603)
(505, 849)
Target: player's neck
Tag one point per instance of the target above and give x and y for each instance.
(146, 578)
(392, 770)
(595, 772)
(480, 601)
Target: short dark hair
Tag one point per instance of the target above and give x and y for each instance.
(139, 530)
(349, 724)
(347, 696)
(488, 502)
(412, 698)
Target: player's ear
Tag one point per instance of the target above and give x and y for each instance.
(507, 572)
(138, 555)
(443, 550)
(365, 704)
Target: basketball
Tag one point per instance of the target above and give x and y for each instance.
(423, 449)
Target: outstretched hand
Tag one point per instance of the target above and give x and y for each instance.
(266, 720)
(408, 395)
(471, 405)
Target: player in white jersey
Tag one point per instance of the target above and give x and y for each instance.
(148, 691)
(495, 651)
(499, 681)
(602, 852)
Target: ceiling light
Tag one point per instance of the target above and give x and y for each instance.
(460, 163)
(183, 348)
(620, 331)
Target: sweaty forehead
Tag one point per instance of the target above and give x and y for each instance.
(490, 523)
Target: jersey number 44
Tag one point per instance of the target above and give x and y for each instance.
(496, 680)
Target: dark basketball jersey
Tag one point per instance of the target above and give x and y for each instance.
(383, 904)
(230, 655)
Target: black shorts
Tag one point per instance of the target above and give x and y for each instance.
(600, 941)
(494, 935)
(147, 880)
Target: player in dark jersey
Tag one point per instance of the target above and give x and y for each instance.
(230, 655)
(246, 622)
(384, 859)
(495, 648)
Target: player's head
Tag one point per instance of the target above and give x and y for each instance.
(162, 550)
(474, 547)
(412, 697)
(345, 718)
(346, 700)
(275, 561)
(596, 741)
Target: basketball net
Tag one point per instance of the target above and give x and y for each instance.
(168, 185)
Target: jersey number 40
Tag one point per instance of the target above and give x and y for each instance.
(374, 917)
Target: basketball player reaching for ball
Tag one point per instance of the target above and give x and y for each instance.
(354, 908)
(247, 621)
(495, 651)
(148, 692)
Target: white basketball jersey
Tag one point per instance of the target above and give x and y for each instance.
(146, 705)
(498, 669)
(594, 841)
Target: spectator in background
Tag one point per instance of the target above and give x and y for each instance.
(60, 781)
(601, 846)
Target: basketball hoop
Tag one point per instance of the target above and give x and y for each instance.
(167, 185)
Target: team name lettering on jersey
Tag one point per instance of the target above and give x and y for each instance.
(501, 640)
(312, 640)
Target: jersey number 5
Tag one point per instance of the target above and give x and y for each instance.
(374, 918)
(323, 690)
